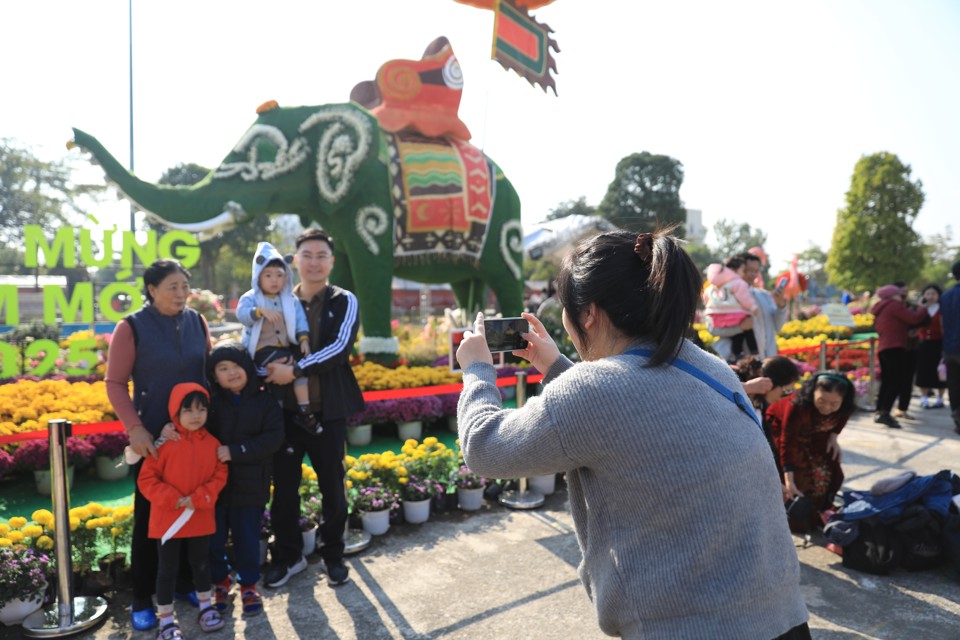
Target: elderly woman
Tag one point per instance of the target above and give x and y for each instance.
(159, 346)
(893, 320)
(659, 446)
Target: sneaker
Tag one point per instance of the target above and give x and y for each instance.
(883, 417)
(170, 632)
(337, 572)
(308, 422)
(144, 619)
(210, 620)
(221, 594)
(252, 601)
(937, 404)
(924, 402)
(279, 575)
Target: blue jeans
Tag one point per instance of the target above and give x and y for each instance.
(243, 525)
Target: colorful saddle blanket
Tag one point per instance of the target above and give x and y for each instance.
(443, 192)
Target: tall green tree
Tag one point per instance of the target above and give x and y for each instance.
(33, 191)
(811, 262)
(939, 252)
(572, 208)
(645, 193)
(873, 241)
(733, 238)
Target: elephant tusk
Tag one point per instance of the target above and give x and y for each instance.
(222, 222)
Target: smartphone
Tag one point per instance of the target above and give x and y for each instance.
(782, 283)
(504, 334)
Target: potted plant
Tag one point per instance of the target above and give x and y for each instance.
(116, 534)
(448, 407)
(409, 414)
(469, 488)
(34, 455)
(310, 515)
(374, 503)
(109, 454)
(24, 574)
(416, 493)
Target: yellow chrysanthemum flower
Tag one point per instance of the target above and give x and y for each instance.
(33, 531)
(4, 529)
(15, 536)
(74, 523)
(17, 522)
(5, 542)
(81, 513)
(42, 517)
(45, 542)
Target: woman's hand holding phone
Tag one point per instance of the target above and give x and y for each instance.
(474, 347)
(541, 350)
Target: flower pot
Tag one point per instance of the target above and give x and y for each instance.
(112, 565)
(545, 484)
(43, 480)
(309, 540)
(412, 430)
(15, 611)
(416, 511)
(264, 545)
(470, 499)
(360, 435)
(111, 468)
(452, 424)
(376, 523)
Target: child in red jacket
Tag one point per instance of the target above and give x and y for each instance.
(182, 485)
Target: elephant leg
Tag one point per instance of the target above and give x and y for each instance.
(469, 294)
(342, 274)
(371, 277)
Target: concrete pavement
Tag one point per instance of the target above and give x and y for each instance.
(499, 574)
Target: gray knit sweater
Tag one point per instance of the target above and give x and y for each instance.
(674, 494)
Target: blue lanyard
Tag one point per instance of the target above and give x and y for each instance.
(733, 396)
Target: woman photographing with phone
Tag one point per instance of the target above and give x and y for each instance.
(654, 484)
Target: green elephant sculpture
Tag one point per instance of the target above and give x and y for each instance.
(431, 210)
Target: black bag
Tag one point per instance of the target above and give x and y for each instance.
(877, 550)
(950, 543)
(919, 530)
(800, 509)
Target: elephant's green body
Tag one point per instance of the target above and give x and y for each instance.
(331, 164)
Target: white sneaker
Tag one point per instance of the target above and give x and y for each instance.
(279, 577)
(924, 402)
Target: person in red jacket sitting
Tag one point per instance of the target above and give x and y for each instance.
(893, 320)
(182, 484)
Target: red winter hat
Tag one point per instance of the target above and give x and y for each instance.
(889, 290)
(178, 393)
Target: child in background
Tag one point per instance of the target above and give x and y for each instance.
(182, 485)
(728, 302)
(273, 320)
(248, 422)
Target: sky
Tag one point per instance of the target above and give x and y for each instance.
(768, 105)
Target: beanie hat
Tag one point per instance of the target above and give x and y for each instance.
(888, 291)
(231, 351)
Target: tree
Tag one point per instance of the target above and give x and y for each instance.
(645, 193)
(733, 238)
(228, 252)
(33, 191)
(939, 255)
(572, 208)
(873, 241)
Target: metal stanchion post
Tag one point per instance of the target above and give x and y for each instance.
(823, 356)
(872, 364)
(521, 498)
(70, 614)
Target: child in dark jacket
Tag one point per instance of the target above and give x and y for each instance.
(182, 484)
(249, 424)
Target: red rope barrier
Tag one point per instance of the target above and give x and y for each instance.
(369, 396)
(816, 347)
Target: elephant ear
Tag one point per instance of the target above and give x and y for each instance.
(346, 140)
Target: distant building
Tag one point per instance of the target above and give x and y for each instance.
(696, 232)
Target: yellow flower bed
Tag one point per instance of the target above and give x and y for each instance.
(374, 377)
(801, 342)
(88, 524)
(27, 406)
(821, 325)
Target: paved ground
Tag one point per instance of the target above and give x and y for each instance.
(499, 574)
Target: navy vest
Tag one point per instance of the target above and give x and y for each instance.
(169, 350)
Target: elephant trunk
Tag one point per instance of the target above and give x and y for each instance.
(194, 208)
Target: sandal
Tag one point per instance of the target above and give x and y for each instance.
(209, 620)
(252, 602)
(170, 632)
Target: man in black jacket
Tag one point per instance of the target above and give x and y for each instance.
(333, 318)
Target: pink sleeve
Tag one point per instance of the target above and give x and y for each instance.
(120, 359)
(741, 290)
